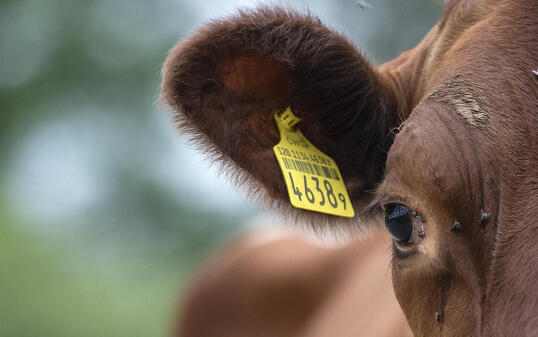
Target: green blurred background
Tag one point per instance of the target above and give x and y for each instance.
(104, 210)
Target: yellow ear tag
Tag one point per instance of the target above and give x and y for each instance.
(313, 180)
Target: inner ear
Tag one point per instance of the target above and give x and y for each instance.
(254, 76)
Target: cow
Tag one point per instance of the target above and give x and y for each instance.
(441, 142)
(279, 284)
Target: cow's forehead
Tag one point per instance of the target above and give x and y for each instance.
(465, 100)
(431, 159)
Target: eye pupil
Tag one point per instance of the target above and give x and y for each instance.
(398, 222)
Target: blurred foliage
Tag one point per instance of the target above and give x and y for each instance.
(103, 215)
(43, 295)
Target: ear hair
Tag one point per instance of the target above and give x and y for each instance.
(226, 80)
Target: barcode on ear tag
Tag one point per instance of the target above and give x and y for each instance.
(313, 179)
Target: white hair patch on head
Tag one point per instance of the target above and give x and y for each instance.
(469, 109)
(461, 95)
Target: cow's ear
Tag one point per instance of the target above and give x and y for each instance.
(226, 81)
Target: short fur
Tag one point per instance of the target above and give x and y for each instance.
(292, 287)
(468, 145)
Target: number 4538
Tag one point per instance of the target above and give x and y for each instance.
(324, 195)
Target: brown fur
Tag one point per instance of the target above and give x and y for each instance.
(230, 76)
(468, 101)
(291, 287)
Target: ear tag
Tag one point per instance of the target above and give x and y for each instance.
(313, 179)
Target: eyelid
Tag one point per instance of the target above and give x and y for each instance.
(382, 200)
(416, 211)
(386, 200)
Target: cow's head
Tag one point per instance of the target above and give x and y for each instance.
(442, 140)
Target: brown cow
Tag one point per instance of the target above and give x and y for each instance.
(283, 285)
(443, 139)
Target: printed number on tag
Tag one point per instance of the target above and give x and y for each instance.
(313, 179)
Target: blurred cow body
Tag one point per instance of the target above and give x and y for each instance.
(443, 140)
(288, 286)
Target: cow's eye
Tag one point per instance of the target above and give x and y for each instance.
(399, 222)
